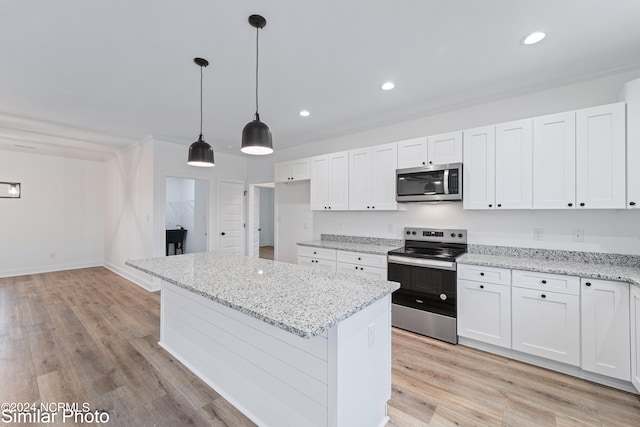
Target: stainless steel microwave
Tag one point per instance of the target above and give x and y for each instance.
(430, 183)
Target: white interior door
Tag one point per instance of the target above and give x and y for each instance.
(255, 222)
(231, 216)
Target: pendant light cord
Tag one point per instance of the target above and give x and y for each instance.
(257, 48)
(201, 101)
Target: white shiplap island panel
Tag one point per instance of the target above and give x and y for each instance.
(287, 345)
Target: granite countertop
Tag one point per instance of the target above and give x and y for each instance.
(304, 301)
(365, 245)
(605, 271)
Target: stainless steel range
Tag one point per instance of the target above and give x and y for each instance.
(426, 270)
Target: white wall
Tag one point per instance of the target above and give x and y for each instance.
(608, 231)
(266, 216)
(294, 222)
(128, 223)
(57, 223)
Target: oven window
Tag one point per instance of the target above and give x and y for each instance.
(420, 183)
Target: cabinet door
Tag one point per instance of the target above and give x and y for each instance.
(382, 188)
(635, 336)
(479, 168)
(513, 165)
(282, 172)
(632, 96)
(600, 157)
(554, 161)
(444, 148)
(546, 324)
(606, 344)
(484, 312)
(319, 185)
(359, 179)
(339, 181)
(300, 169)
(412, 153)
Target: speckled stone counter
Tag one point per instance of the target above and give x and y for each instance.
(365, 245)
(581, 264)
(301, 300)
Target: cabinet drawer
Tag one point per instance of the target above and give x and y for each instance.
(362, 270)
(322, 264)
(320, 253)
(546, 282)
(479, 273)
(371, 260)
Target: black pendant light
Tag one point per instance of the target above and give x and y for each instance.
(201, 153)
(256, 136)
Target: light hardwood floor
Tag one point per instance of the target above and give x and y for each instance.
(266, 252)
(90, 336)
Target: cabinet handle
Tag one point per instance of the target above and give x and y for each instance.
(356, 267)
(430, 162)
(359, 259)
(569, 204)
(482, 274)
(632, 203)
(581, 204)
(423, 163)
(314, 252)
(544, 282)
(361, 268)
(588, 284)
(223, 233)
(419, 301)
(373, 207)
(490, 206)
(325, 207)
(481, 286)
(367, 207)
(329, 207)
(499, 205)
(543, 296)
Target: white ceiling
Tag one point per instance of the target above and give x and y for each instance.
(124, 67)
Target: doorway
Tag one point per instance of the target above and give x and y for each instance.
(262, 223)
(186, 215)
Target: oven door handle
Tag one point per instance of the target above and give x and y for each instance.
(419, 262)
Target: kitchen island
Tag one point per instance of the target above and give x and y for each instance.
(287, 345)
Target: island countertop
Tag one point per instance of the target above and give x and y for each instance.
(301, 300)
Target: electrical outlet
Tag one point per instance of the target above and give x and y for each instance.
(577, 235)
(372, 334)
(538, 234)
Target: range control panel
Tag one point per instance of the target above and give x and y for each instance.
(436, 235)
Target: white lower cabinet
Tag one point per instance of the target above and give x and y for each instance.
(322, 258)
(635, 336)
(484, 312)
(546, 324)
(606, 341)
(373, 266)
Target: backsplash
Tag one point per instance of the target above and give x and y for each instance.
(558, 255)
(363, 240)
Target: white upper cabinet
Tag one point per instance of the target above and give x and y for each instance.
(554, 161)
(295, 170)
(513, 165)
(432, 150)
(330, 182)
(412, 153)
(444, 148)
(600, 160)
(372, 178)
(479, 167)
(632, 96)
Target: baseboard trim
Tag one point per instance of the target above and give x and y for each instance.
(146, 283)
(563, 368)
(49, 269)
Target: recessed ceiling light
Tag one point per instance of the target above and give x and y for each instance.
(304, 113)
(534, 38)
(387, 86)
